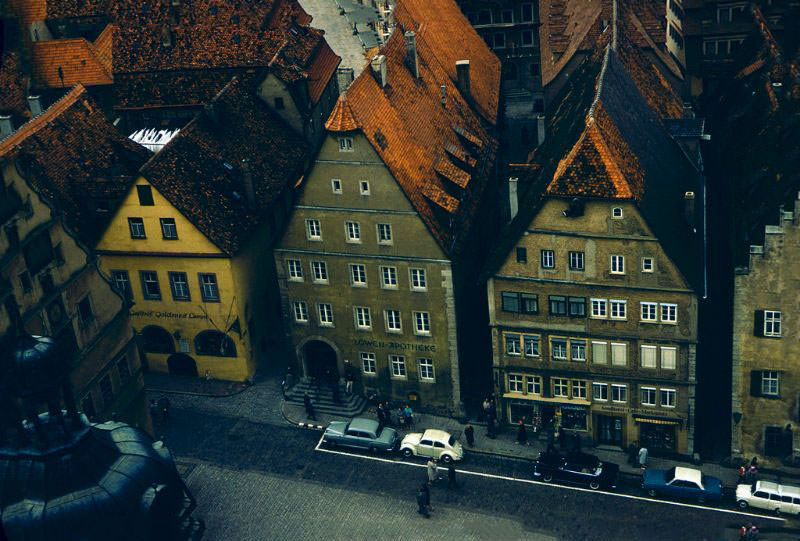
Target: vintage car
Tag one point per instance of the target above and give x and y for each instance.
(361, 433)
(771, 496)
(576, 468)
(436, 443)
(682, 482)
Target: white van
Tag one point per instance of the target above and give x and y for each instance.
(771, 496)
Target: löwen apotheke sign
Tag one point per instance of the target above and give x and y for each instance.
(405, 346)
(167, 315)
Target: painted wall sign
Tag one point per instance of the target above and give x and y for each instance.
(394, 345)
(167, 315)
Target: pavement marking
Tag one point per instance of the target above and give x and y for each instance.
(319, 447)
(312, 426)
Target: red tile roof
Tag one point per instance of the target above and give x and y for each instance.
(79, 61)
(411, 130)
(321, 71)
(13, 85)
(29, 10)
(201, 172)
(75, 158)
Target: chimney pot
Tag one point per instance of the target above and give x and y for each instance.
(344, 77)
(513, 202)
(379, 70)
(688, 208)
(6, 126)
(412, 60)
(462, 75)
(35, 105)
(540, 129)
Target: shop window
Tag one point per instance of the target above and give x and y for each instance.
(574, 417)
(157, 340)
(214, 343)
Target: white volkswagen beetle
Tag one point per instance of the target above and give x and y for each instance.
(436, 443)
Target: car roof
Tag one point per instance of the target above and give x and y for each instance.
(689, 474)
(433, 434)
(787, 490)
(360, 423)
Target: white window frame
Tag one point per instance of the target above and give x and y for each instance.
(294, 269)
(515, 352)
(426, 370)
(575, 342)
(767, 381)
(596, 343)
(345, 144)
(422, 323)
(772, 323)
(336, 186)
(515, 385)
(325, 314)
(574, 258)
(622, 391)
(620, 306)
(666, 393)
(648, 264)
(368, 363)
(300, 309)
(394, 321)
(617, 265)
(313, 224)
(582, 386)
(652, 392)
(668, 306)
(547, 259)
(553, 349)
(323, 267)
(388, 277)
(534, 338)
(653, 351)
(648, 312)
(358, 270)
(362, 317)
(363, 187)
(386, 240)
(397, 365)
(603, 387)
(352, 232)
(617, 346)
(599, 308)
(533, 385)
(414, 274)
(562, 384)
(674, 363)
(616, 213)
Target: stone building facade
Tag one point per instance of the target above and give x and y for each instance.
(766, 384)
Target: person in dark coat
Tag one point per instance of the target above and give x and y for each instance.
(381, 414)
(550, 441)
(632, 453)
(451, 475)
(163, 405)
(427, 491)
(422, 507)
(490, 426)
(309, 407)
(561, 438)
(522, 433)
(469, 433)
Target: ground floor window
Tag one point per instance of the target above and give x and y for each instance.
(523, 409)
(657, 437)
(777, 441)
(574, 417)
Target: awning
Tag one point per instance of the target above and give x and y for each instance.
(548, 400)
(656, 420)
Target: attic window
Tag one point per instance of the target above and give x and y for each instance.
(345, 144)
(616, 213)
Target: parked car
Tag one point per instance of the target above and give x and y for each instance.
(361, 433)
(436, 443)
(682, 482)
(576, 468)
(768, 495)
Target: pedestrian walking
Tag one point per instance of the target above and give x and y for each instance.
(381, 414)
(348, 382)
(427, 491)
(490, 427)
(561, 438)
(422, 508)
(469, 432)
(432, 470)
(451, 475)
(752, 533)
(643, 457)
(632, 453)
(551, 447)
(408, 415)
(163, 405)
(309, 407)
(487, 408)
(522, 433)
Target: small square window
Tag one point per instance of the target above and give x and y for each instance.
(668, 398)
(600, 308)
(531, 345)
(145, 195)
(418, 280)
(510, 301)
(577, 307)
(514, 383)
(558, 305)
(345, 144)
(649, 311)
(772, 323)
(647, 264)
(209, 290)
(136, 226)
(364, 187)
(533, 384)
(353, 231)
(616, 213)
(669, 313)
(618, 309)
(513, 344)
(648, 359)
(576, 261)
(384, 233)
(558, 349)
(168, 228)
(619, 393)
(770, 383)
(522, 255)
(295, 270)
(648, 396)
(530, 303)
(600, 392)
(548, 259)
(336, 185)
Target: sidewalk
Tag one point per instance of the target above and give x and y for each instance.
(190, 385)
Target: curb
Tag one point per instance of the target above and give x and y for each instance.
(192, 393)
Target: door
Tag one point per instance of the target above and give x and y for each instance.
(425, 448)
(787, 506)
(609, 430)
(321, 362)
(438, 449)
(182, 365)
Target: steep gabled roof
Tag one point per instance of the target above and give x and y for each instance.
(74, 158)
(202, 173)
(67, 62)
(418, 139)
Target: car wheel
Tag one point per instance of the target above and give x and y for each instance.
(447, 459)
(547, 477)
(652, 493)
(594, 485)
(408, 453)
(742, 504)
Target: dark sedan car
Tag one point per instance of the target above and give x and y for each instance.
(682, 482)
(576, 468)
(361, 433)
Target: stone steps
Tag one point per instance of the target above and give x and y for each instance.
(322, 399)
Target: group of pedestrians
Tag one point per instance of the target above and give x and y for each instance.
(748, 532)
(749, 473)
(637, 456)
(490, 414)
(424, 492)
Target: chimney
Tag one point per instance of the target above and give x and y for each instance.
(379, 70)
(35, 105)
(6, 126)
(166, 36)
(540, 133)
(344, 77)
(443, 89)
(247, 179)
(462, 74)
(688, 208)
(412, 61)
(513, 202)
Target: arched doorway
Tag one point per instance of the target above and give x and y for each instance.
(155, 339)
(181, 364)
(320, 361)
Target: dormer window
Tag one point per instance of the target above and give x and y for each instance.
(616, 213)
(166, 37)
(345, 144)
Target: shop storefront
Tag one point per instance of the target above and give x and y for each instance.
(657, 434)
(609, 429)
(570, 414)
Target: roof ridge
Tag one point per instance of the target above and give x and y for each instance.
(617, 177)
(34, 124)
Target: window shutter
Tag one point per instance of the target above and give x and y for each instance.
(758, 324)
(755, 382)
(546, 387)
